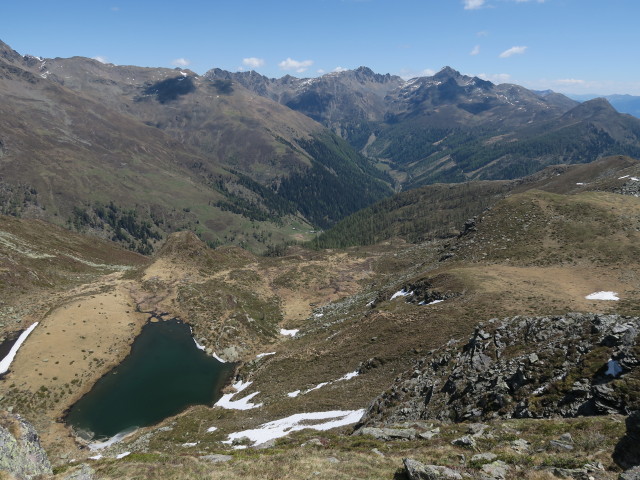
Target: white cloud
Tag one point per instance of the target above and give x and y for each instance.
(495, 77)
(407, 74)
(513, 51)
(473, 4)
(101, 59)
(340, 69)
(475, 50)
(180, 62)
(298, 66)
(253, 62)
(321, 71)
(482, 33)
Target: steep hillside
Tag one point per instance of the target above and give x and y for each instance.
(439, 211)
(172, 150)
(232, 128)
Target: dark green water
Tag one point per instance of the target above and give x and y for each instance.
(164, 373)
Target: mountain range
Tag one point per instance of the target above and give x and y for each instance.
(241, 158)
(451, 127)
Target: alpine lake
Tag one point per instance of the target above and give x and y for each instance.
(164, 374)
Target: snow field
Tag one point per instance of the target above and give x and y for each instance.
(299, 421)
(241, 404)
(6, 361)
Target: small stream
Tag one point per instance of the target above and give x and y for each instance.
(164, 374)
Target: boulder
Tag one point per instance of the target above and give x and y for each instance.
(631, 474)
(388, 433)
(419, 471)
(83, 472)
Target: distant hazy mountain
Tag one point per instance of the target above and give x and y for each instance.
(623, 103)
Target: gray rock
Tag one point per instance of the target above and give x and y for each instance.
(484, 457)
(575, 473)
(520, 445)
(476, 429)
(419, 471)
(631, 474)
(217, 458)
(558, 445)
(428, 435)
(21, 454)
(268, 444)
(495, 470)
(83, 472)
(388, 433)
(333, 460)
(465, 442)
(377, 452)
(313, 441)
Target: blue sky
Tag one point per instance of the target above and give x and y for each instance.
(571, 46)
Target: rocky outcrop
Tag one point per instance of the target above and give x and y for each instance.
(21, 454)
(524, 367)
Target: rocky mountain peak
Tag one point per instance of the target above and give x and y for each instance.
(447, 72)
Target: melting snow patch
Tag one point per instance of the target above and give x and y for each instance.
(430, 303)
(291, 333)
(635, 179)
(212, 429)
(190, 444)
(200, 347)
(96, 457)
(620, 178)
(613, 368)
(122, 455)
(113, 440)
(603, 296)
(6, 361)
(299, 421)
(242, 404)
(580, 183)
(348, 376)
(217, 358)
(260, 355)
(293, 394)
(401, 293)
(320, 385)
